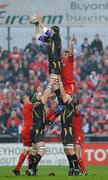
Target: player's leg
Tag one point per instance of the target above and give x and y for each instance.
(38, 149)
(78, 140)
(54, 71)
(37, 137)
(56, 87)
(63, 92)
(78, 151)
(26, 148)
(47, 93)
(21, 160)
(67, 139)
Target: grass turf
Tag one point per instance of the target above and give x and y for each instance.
(94, 173)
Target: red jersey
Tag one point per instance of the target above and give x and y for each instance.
(67, 76)
(27, 114)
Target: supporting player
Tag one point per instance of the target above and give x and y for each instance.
(53, 40)
(71, 90)
(37, 135)
(70, 87)
(25, 131)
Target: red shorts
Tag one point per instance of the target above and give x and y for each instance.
(78, 137)
(25, 135)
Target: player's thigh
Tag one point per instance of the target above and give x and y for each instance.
(25, 136)
(78, 149)
(55, 67)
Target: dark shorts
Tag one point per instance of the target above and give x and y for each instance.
(55, 67)
(36, 135)
(37, 129)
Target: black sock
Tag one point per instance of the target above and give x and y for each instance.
(31, 159)
(73, 161)
(36, 160)
(59, 96)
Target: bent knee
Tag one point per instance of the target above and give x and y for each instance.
(41, 150)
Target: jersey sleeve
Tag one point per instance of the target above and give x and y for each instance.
(44, 37)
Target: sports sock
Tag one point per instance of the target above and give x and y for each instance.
(73, 163)
(36, 160)
(81, 164)
(20, 161)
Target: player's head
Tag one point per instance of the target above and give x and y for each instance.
(55, 29)
(24, 98)
(65, 54)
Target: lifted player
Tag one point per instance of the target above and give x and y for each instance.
(53, 40)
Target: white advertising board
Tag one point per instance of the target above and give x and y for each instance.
(9, 154)
(59, 12)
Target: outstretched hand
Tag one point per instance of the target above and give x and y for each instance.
(39, 19)
(35, 19)
(72, 39)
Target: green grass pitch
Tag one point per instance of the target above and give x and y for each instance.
(94, 173)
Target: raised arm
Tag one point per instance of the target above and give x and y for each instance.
(71, 46)
(39, 28)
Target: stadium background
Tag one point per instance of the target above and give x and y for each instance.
(23, 67)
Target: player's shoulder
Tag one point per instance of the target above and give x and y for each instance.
(71, 58)
(27, 104)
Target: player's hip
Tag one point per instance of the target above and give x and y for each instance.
(55, 67)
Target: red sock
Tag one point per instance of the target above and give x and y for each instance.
(81, 164)
(20, 161)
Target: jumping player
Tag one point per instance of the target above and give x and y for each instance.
(53, 40)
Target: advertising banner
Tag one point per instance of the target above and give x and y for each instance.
(93, 154)
(59, 12)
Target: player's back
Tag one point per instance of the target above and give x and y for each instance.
(27, 114)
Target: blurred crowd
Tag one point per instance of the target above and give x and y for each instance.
(27, 70)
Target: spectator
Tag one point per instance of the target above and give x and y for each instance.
(86, 45)
(32, 48)
(13, 129)
(97, 44)
(30, 73)
(13, 117)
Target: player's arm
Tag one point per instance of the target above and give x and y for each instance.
(47, 32)
(45, 37)
(71, 46)
(39, 28)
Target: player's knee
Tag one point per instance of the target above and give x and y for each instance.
(50, 86)
(69, 149)
(26, 149)
(54, 80)
(78, 150)
(41, 150)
